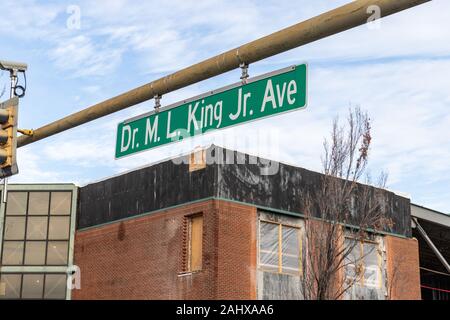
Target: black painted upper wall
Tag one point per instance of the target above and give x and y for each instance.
(152, 188)
(168, 184)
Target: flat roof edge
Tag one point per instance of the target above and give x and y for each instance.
(430, 215)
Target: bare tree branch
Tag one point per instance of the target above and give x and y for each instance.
(341, 207)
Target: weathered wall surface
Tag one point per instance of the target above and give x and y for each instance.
(403, 268)
(168, 184)
(143, 258)
(287, 188)
(145, 190)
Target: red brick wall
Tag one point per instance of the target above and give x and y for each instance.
(403, 268)
(142, 258)
(237, 241)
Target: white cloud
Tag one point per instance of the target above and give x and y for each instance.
(27, 19)
(168, 35)
(399, 73)
(81, 57)
(31, 170)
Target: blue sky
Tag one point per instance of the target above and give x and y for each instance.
(397, 71)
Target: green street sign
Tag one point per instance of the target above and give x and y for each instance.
(267, 95)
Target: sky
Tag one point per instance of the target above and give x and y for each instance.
(83, 52)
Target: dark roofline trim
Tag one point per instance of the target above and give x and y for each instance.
(292, 214)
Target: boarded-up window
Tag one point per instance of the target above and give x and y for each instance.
(195, 242)
(197, 160)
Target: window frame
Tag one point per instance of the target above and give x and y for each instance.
(361, 259)
(28, 216)
(281, 268)
(44, 275)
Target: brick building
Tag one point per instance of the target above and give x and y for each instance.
(208, 229)
(138, 233)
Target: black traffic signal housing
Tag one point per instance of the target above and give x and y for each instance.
(8, 137)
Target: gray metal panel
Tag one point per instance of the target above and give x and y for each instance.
(430, 215)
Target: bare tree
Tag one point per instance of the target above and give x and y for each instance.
(339, 207)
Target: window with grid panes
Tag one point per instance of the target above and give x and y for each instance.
(33, 286)
(279, 248)
(363, 264)
(37, 228)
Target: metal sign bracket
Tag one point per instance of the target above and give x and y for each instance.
(245, 75)
(157, 102)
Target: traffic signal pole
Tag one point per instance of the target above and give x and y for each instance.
(332, 22)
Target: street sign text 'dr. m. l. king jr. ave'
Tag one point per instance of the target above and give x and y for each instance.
(267, 95)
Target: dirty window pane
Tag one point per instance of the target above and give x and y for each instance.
(371, 267)
(269, 237)
(291, 264)
(10, 286)
(16, 203)
(32, 287)
(38, 203)
(59, 228)
(370, 254)
(352, 260)
(14, 228)
(269, 261)
(371, 276)
(55, 286)
(290, 248)
(35, 253)
(354, 256)
(350, 274)
(37, 228)
(60, 203)
(57, 253)
(12, 253)
(291, 241)
(268, 250)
